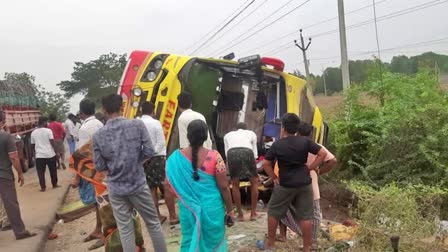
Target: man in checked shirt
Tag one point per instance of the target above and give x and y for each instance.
(120, 148)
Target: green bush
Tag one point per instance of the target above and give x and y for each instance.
(394, 131)
(410, 212)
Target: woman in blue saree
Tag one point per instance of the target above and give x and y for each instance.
(198, 177)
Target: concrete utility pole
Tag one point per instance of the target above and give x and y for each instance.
(343, 39)
(325, 81)
(305, 60)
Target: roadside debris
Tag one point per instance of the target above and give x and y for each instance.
(52, 236)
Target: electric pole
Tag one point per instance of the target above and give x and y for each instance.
(343, 39)
(325, 81)
(304, 49)
(437, 72)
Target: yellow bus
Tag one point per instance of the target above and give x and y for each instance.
(254, 90)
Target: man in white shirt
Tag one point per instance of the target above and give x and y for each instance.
(188, 115)
(78, 122)
(155, 167)
(241, 152)
(42, 142)
(70, 132)
(85, 133)
(90, 124)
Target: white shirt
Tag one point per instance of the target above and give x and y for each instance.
(76, 130)
(41, 137)
(87, 129)
(241, 139)
(156, 134)
(313, 174)
(69, 127)
(182, 123)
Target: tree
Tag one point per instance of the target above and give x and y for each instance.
(22, 90)
(95, 78)
(333, 77)
(403, 64)
(52, 103)
(360, 70)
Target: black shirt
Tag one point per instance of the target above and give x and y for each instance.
(291, 153)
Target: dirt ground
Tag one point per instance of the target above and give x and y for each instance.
(330, 106)
(241, 237)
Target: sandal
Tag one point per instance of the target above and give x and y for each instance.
(162, 219)
(90, 238)
(6, 228)
(262, 246)
(26, 235)
(311, 248)
(98, 244)
(278, 238)
(174, 222)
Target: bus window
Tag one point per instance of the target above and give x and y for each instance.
(202, 82)
(276, 109)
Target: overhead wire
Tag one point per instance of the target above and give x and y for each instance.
(222, 28)
(217, 26)
(233, 43)
(260, 21)
(370, 21)
(413, 45)
(241, 20)
(314, 25)
(385, 17)
(390, 49)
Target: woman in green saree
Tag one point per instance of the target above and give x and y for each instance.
(198, 177)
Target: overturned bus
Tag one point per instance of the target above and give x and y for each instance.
(254, 90)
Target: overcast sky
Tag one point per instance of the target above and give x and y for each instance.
(45, 37)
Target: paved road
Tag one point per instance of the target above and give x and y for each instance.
(38, 211)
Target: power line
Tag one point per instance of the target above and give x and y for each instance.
(264, 27)
(280, 48)
(390, 49)
(259, 23)
(419, 44)
(314, 25)
(386, 17)
(242, 19)
(217, 26)
(346, 14)
(223, 27)
(370, 21)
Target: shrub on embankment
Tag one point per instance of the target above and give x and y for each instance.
(403, 139)
(411, 212)
(391, 141)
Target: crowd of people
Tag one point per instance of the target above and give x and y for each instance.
(121, 165)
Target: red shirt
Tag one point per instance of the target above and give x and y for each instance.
(57, 129)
